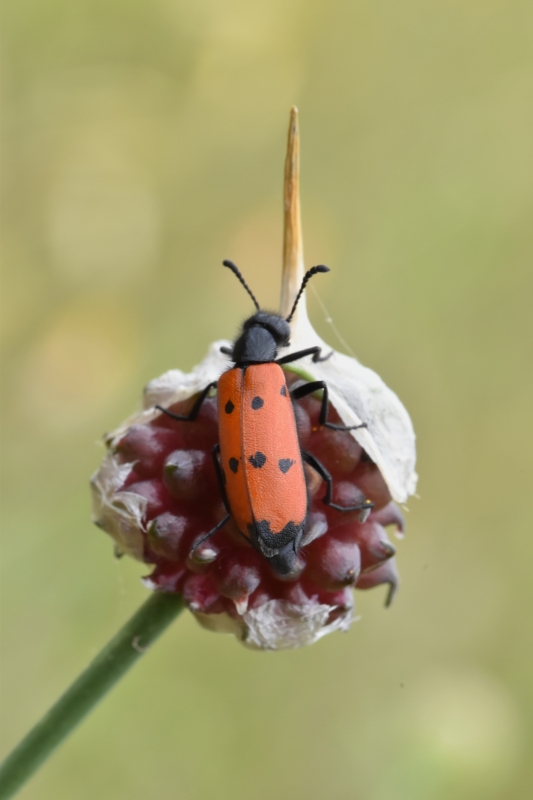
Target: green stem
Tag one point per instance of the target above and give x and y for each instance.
(107, 668)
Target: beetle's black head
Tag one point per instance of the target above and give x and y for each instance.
(260, 338)
(264, 332)
(277, 326)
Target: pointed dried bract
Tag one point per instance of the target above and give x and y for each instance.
(293, 255)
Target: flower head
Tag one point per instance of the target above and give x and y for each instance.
(157, 492)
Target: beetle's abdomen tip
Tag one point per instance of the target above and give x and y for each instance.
(283, 563)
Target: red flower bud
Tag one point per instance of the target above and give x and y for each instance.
(386, 573)
(333, 564)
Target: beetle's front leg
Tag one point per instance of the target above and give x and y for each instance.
(310, 351)
(193, 413)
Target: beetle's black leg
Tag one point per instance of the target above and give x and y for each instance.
(314, 386)
(217, 527)
(368, 505)
(322, 471)
(220, 476)
(310, 351)
(221, 483)
(228, 351)
(317, 357)
(193, 413)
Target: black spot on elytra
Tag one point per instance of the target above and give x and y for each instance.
(285, 464)
(234, 465)
(258, 460)
(258, 402)
(228, 408)
(283, 391)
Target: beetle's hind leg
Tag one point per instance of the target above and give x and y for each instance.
(217, 527)
(314, 386)
(367, 506)
(221, 484)
(193, 413)
(220, 476)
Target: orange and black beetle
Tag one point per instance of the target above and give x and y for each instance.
(259, 462)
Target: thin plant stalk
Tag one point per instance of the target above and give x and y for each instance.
(121, 653)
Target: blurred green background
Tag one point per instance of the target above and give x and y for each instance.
(144, 142)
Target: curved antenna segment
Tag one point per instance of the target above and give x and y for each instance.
(236, 272)
(307, 277)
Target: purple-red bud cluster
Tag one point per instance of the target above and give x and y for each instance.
(172, 469)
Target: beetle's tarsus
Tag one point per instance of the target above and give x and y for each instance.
(193, 413)
(217, 527)
(344, 427)
(317, 358)
(178, 417)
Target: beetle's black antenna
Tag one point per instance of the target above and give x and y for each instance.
(236, 271)
(307, 277)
